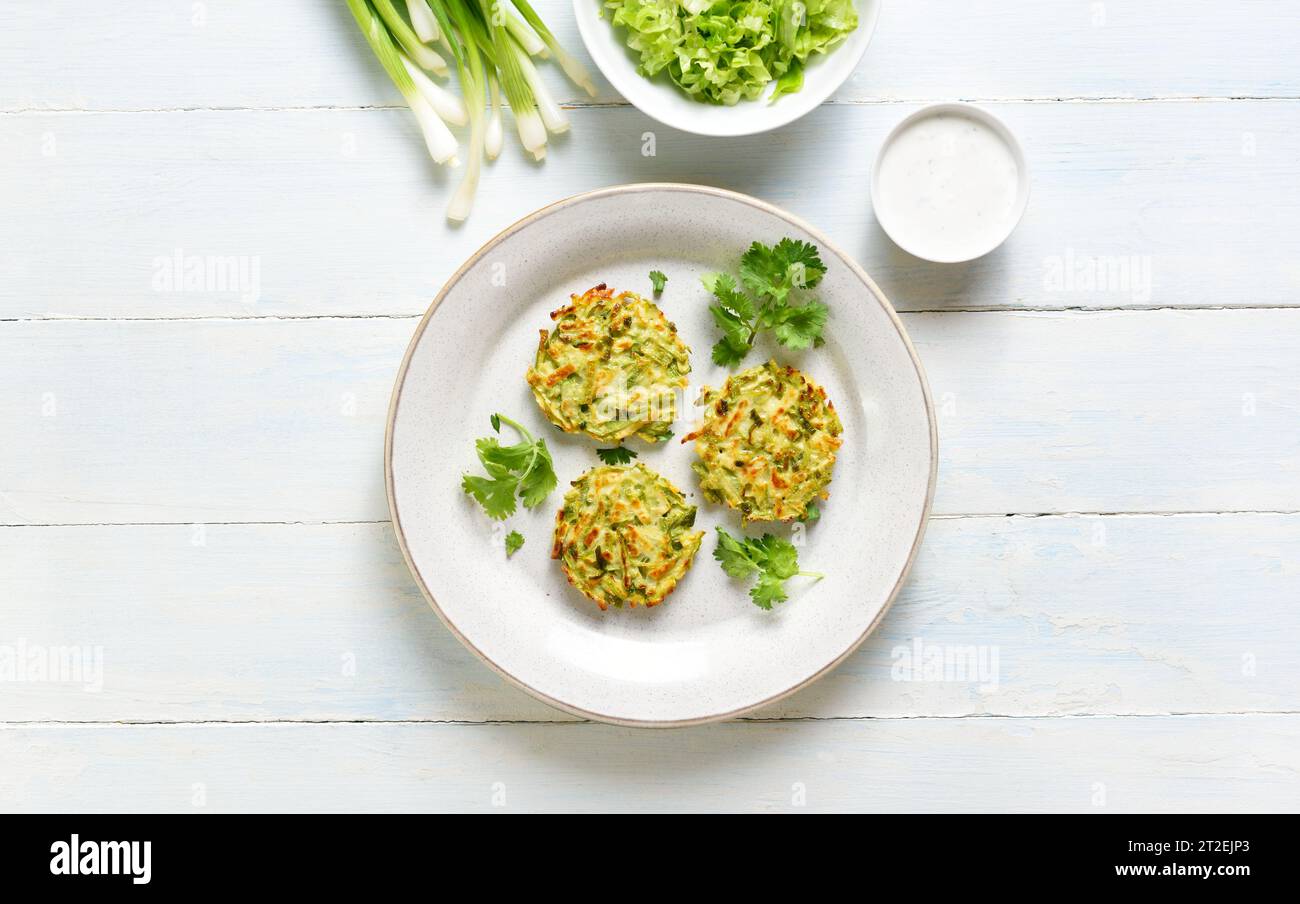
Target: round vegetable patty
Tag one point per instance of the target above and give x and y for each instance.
(768, 442)
(611, 368)
(624, 536)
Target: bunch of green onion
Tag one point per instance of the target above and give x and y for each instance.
(492, 44)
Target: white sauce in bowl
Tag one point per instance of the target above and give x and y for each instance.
(948, 185)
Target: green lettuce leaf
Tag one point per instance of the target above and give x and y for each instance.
(725, 51)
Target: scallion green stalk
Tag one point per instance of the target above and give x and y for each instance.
(527, 38)
(447, 105)
(423, 21)
(491, 44)
(446, 32)
(494, 137)
(552, 116)
(576, 72)
(507, 56)
(402, 33)
(437, 137)
(472, 76)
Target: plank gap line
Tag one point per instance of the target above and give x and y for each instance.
(143, 723)
(619, 104)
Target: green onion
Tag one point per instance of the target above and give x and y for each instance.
(576, 72)
(527, 38)
(495, 136)
(405, 36)
(491, 44)
(423, 21)
(447, 105)
(472, 76)
(437, 137)
(552, 116)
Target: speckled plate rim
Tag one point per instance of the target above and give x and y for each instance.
(631, 189)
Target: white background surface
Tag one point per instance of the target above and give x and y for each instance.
(192, 481)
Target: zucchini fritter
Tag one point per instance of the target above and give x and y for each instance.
(767, 445)
(611, 368)
(624, 535)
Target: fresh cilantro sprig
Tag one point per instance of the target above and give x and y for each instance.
(775, 560)
(523, 470)
(771, 275)
(618, 455)
(514, 540)
(658, 280)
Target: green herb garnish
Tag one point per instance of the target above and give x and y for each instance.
(523, 470)
(657, 280)
(619, 455)
(772, 275)
(514, 540)
(775, 560)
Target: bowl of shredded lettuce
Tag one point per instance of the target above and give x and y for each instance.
(726, 67)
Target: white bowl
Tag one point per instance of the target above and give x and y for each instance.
(661, 99)
(918, 247)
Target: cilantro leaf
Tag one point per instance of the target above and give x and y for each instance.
(801, 326)
(496, 495)
(731, 298)
(657, 280)
(735, 329)
(615, 456)
(514, 540)
(727, 355)
(536, 483)
(769, 589)
(803, 265)
(777, 557)
(774, 560)
(773, 275)
(499, 460)
(524, 470)
(760, 271)
(733, 556)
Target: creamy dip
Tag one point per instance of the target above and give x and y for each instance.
(947, 187)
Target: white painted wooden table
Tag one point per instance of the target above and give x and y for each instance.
(190, 479)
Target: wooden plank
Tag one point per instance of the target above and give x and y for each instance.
(1196, 764)
(341, 212)
(271, 420)
(1115, 411)
(240, 53)
(239, 622)
(179, 422)
(1117, 615)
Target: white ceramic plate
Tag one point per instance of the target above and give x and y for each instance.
(662, 100)
(707, 653)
